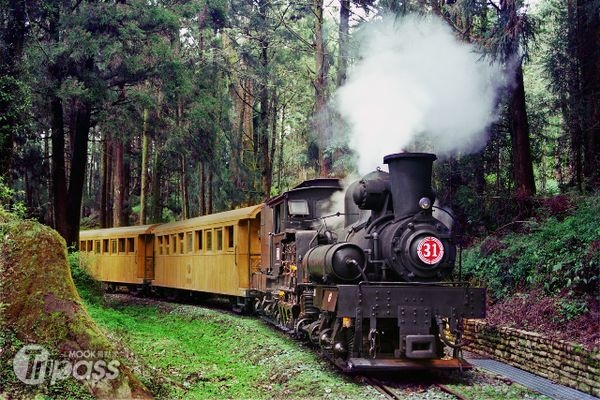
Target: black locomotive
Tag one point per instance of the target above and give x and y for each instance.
(375, 295)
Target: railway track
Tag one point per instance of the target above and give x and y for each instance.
(396, 391)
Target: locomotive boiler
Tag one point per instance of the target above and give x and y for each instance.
(375, 295)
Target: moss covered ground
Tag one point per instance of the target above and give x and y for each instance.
(39, 305)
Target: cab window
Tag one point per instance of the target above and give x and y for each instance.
(298, 208)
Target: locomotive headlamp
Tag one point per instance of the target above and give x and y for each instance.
(425, 203)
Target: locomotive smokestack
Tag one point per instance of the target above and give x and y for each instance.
(410, 175)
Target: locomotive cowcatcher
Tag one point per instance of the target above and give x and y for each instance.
(377, 294)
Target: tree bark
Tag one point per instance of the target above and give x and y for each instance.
(521, 149)
(320, 84)
(184, 188)
(344, 34)
(14, 39)
(106, 190)
(156, 208)
(588, 55)
(144, 168)
(522, 165)
(202, 197)
(118, 189)
(59, 181)
(78, 167)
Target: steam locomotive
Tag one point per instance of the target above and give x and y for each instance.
(377, 299)
(373, 294)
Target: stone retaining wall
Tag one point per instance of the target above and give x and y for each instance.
(560, 361)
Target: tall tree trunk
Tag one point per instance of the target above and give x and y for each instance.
(344, 34)
(59, 181)
(320, 84)
(78, 167)
(570, 102)
(185, 214)
(124, 217)
(144, 168)
(156, 208)
(281, 141)
(522, 164)
(12, 51)
(119, 192)
(588, 55)
(209, 192)
(202, 196)
(521, 149)
(106, 189)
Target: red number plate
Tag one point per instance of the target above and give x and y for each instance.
(430, 250)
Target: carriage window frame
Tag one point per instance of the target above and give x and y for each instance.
(82, 245)
(105, 246)
(189, 242)
(230, 237)
(199, 240)
(121, 246)
(174, 244)
(90, 246)
(113, 246)
(181, 242)
(209, 241)
(159, 244)
(130, 243)
(167, 244)
(219, 237)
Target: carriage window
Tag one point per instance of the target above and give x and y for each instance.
(180, 243)
(121, 245)
(97, 246)
(189, 247)
(160, 245)
(229, 234)
(113, 246)
(298, 207)
(130, 245)
(82, 245)
(90, 245)
(174, 244)
(219, 233)
(199, 240)
(209, 240)
(167, 244)
(105, 246)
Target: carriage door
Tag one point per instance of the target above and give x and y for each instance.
(147, 256)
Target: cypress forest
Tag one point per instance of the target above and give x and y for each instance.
(130, 112)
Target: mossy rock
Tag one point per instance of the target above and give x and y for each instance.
(39, 304)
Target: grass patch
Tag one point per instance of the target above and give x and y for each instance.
(186, 351)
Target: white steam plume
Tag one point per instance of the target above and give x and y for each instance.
(417, 87)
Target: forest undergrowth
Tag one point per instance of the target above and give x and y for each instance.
(543, 274)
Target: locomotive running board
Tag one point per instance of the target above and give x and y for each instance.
(391, 364)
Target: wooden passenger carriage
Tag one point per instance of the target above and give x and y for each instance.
(214, 253)
(120, 255)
